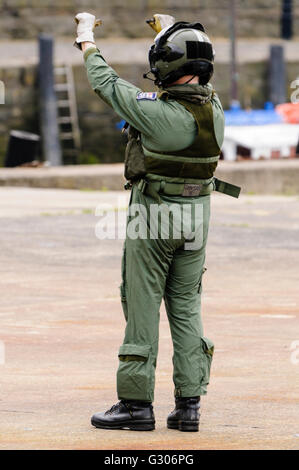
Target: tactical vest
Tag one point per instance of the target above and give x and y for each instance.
(198, 161)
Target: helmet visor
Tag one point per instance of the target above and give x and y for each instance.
(167, 53)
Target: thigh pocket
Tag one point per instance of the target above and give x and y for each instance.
(200, 281)
(135, 372)
(123, 285)
(124, 300)
(206, 357)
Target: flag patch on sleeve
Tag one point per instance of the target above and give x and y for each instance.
(152, 96)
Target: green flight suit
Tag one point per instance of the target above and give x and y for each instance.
(157, 268)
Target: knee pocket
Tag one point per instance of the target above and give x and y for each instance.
(206, 357)
(135, 372)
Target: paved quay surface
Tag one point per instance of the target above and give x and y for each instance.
(61, 325)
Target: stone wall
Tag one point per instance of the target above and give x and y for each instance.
(26, 18)
(20, 110)
(101, 140)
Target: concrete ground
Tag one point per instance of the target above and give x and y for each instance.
(61, 325)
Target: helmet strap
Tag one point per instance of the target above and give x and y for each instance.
(146, 76)
(190, 80)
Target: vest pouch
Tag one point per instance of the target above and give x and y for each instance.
(134, 159)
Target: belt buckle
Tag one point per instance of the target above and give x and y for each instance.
(192, 190)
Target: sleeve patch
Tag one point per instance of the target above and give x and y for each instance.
(152, 96)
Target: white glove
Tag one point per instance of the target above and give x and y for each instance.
(160, 22)
(86, 24)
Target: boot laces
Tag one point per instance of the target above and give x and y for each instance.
(114, 408)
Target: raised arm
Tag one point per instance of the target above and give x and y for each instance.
(116, 92)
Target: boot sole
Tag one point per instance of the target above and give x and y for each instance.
(184, 426)
(137, 426)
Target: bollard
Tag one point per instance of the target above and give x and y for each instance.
(48, 103)
(286, 22)
(23, 147)
(277, 75)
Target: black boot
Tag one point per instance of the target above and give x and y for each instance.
(185, 416)
(126, 414)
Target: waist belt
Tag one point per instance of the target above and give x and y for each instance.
(226, 188)
(154, 188)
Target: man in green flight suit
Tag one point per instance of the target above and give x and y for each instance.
(175, 137)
